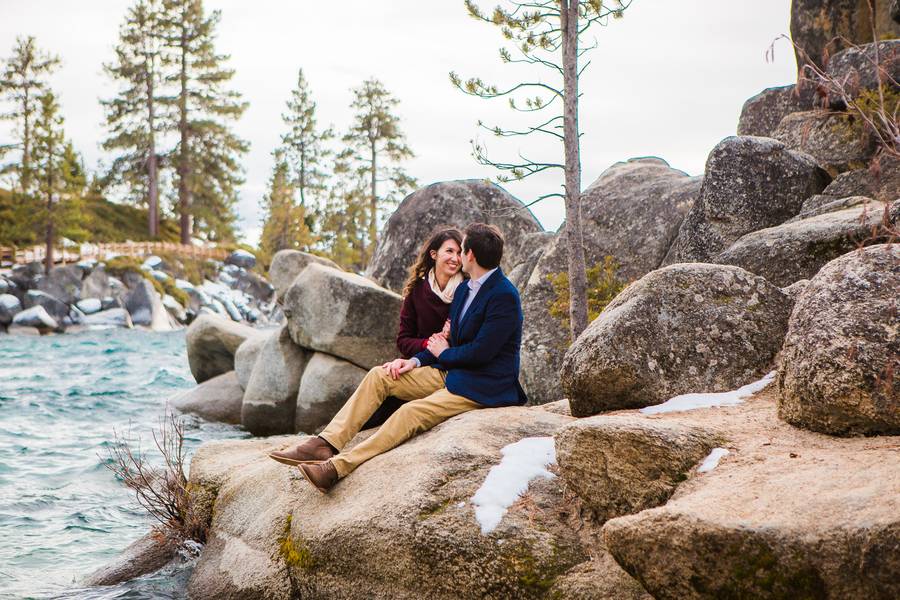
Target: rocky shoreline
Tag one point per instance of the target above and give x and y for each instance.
(127, 292)
(727, 427)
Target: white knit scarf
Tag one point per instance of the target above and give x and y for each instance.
(446, 295)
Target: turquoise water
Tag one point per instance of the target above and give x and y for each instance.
(62, 512)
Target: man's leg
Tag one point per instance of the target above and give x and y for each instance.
(375, 387)
(410, 419)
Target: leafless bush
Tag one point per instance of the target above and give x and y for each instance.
(160, 490)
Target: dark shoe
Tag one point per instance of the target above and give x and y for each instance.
(312, 449)
(322, 475)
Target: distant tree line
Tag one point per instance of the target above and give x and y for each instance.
(173, 150)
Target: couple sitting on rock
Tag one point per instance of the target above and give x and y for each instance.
(467, 361)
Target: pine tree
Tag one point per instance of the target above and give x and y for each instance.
(285, 224)
(305, 144)
(206, 156)
(22, 82)
(58, 175)
(546, 33)
(376, 146)
(141, 112)
(344, 219)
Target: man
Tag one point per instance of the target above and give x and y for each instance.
(478, 367)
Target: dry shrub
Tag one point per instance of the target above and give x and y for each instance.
(603, 285)
(161, 490)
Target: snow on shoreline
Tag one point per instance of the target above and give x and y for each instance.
(710, 399)
(522, 461)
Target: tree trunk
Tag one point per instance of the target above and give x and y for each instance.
(152, 171)
(578, 314)
(25, 175)
(184, 193)
(302, 175)
(373, 206)
(48, 233)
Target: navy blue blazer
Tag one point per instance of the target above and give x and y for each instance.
(482, 362)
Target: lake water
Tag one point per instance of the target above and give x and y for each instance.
(62, 512)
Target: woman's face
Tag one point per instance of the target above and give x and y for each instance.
(446, 258)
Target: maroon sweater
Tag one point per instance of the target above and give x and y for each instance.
(421, 315)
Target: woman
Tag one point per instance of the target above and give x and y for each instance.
(427, 295)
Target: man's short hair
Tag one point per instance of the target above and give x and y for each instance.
(486, 242)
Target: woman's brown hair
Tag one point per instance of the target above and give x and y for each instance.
(424, 262)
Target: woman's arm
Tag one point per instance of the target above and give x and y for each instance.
(407, 342)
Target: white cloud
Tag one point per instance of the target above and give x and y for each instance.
(668, 80)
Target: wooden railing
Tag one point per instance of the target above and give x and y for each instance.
(107, 251)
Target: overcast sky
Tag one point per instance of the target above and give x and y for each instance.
(667, 80)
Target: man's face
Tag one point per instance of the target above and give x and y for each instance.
(467, 258)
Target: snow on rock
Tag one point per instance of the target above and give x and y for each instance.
(712, 460)
(522, 461)
(709, 399)
(89, 306)
(159, 275)
(152, 261)
(183, 284)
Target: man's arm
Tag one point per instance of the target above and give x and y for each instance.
(501, 319)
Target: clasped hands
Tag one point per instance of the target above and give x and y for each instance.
(436, 344)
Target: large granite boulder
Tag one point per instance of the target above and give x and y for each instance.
(287, 264)
(96, 285)
(539, 241)
(55, 307)
(35, 316)
(326, 385)
(786, 513)
(241, 258)
(9, 308)
(763, 112)
(343, 314)
(63, 282)
(402, 526)
(453, 204)
(798, 249)
(632, 212)
(854, 71)
(622, 465)
(271, 394)
(146, 307)
(245, 357)
(880, 181)
(217, 399)
(690, 327)
(840, 368)
(211, 343)
(750, 183)
(820, 28)
(834, 139)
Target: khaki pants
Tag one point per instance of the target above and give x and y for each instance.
(426, 403)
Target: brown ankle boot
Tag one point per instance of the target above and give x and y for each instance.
(312, 449)
(322, 475)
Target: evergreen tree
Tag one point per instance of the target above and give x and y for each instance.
(547, 33)
(376, 146)
(206, 156)
(344, 219)
(305, 144)
(141, 112)
(285, 224)
(22, 82)
(57, 173)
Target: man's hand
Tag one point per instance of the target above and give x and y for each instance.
(437, 344)
(398, 367)
(446, 330)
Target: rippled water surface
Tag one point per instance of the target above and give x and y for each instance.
(62, 512)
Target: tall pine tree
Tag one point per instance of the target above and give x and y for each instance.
(304, 144)
(343, 220)
(58, 175)
(141, 111)
(285, 225)
(375, 147)
(23, 81)
(207, 155)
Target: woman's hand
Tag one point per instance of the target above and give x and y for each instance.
(446, 330)
(398, 367)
